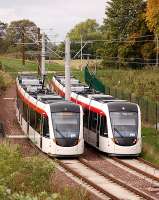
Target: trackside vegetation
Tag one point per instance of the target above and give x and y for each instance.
(137, 82)
(31, 178)
(5, 79)
(150, 145)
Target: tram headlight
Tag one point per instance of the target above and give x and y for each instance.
(54, 140)
(115, 140)
(135, 141)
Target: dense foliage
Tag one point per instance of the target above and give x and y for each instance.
(130, 42)
(11, 36)
(152, 14)
(88, 30)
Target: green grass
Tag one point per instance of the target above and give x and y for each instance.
(31, 178)
(5, 80)
(15, 65)
(137, 82)
(150, 145)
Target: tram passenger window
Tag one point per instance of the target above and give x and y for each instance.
(93, 121)
(103, 126)
(85, 118)
(25, 110)
(32, 118)
(46, 128)
(20, 106)
(98, 122)
(17, 101)
(38, 123)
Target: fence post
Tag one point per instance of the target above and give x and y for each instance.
(115, 92)
(108, 90)
(156, 116)
(130, 97)
(147, 109)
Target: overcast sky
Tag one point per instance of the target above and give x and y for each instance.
(61, 15)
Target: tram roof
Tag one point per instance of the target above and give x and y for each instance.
(33, 86)
(84, 90)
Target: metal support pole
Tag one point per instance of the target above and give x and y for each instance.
(39, 48)
(157, 46)
(43, 72)
(81, 51)
(95, 70)
(67, 68)
(23, 47)
(157, 124)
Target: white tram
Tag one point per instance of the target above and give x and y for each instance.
(52, 124)
(111, 125)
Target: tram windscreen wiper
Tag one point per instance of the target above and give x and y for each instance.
(59, 132)
(115, 129)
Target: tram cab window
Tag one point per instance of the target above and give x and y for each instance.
(46, 128)
(93, 121)
(20, 106)
(66, 125)
(85, 118)
(103, 127)
(18, 101)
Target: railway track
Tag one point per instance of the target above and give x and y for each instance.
(148, 163)
(141, 166)
(106, 184)
(141, 170)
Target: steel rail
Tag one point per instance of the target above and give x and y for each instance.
(92, 184)
(136, 169)
(117, 181)
(148, 163)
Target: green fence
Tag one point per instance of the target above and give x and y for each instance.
(92, 81)
(149, 109)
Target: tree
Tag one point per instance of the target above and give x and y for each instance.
(123, 26)
(134, 50)
(3, 43)
(88, 30)
(15, 31)
(84, 29)
(152, 14)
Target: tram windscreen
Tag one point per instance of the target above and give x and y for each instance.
(66, 125)
(124, 124)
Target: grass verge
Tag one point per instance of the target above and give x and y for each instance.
(150, 145)
(137, 82)
(31, 178)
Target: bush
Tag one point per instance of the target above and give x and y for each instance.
(5, 80)
(30, 178)
(24, 174)
(1, 66)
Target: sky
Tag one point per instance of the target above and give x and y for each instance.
(58, 15)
